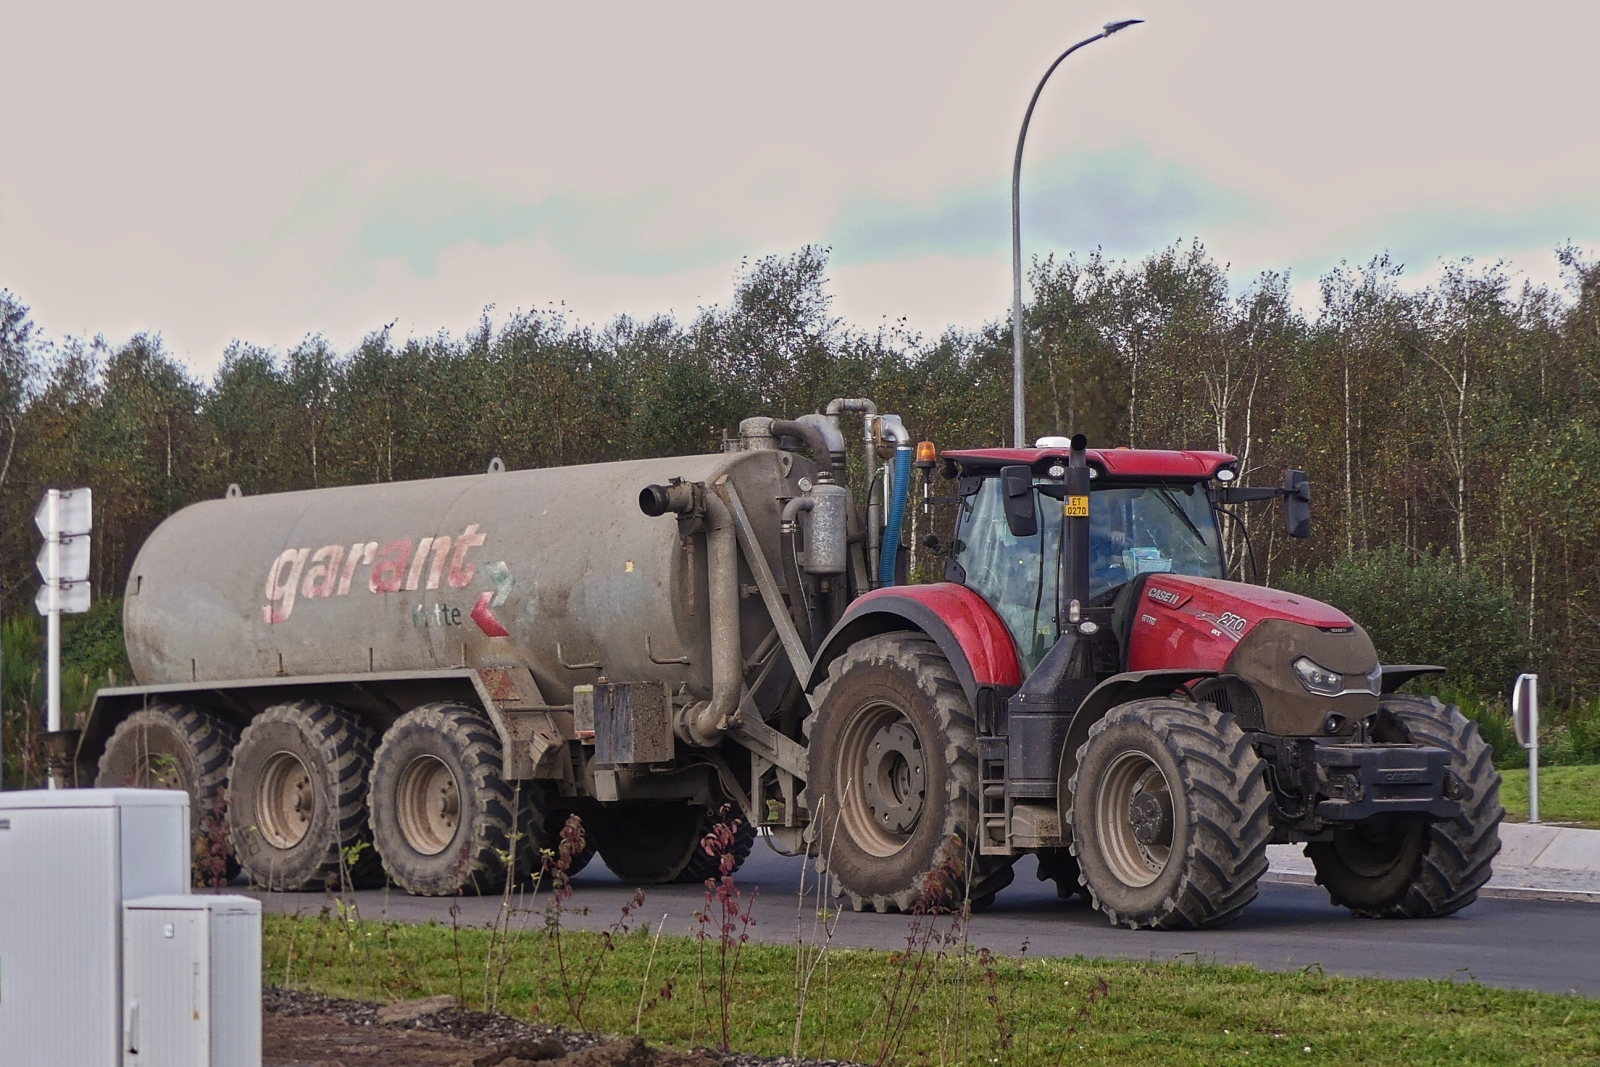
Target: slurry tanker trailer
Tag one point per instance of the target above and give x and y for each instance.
(420, 681)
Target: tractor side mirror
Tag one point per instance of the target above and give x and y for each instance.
(1297, 503)
(1022, 513)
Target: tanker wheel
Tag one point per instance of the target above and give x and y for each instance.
(895, 780)
(1410, 869)
(1170, 815)
(555, 819)
(654, 842)
(444, 818)
(702, 864)
(171, 746)
(1058, 865)
(297, 799)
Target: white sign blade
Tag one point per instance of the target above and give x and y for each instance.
(74, 599)
(74, 560)
(75, 513)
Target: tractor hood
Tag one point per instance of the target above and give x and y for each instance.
(1258, 635)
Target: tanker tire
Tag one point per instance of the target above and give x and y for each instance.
(702, 864)
(1217, 818)
(650, 842)
(1437, 868)
(1058, 865)
(329, 750)
(200, 745)
(879, 683)
(555, 819)
(451, 752)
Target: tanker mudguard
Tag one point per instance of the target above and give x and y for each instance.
(959, 621)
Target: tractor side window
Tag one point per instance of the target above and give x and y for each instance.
(1016, 575)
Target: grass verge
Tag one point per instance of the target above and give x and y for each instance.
(978, 1010)
(1566, 794)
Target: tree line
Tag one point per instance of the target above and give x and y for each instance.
(1452, 424)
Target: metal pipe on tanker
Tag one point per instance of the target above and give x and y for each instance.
(704, 723)
(815, 440)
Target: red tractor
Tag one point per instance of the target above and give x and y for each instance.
(1086, 684)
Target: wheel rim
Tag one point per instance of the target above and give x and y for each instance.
(429, 805)
(1372, 850)
(1133, 819)
(285, 800)
(883, 776)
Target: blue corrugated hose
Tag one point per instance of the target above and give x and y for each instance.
(897, 515)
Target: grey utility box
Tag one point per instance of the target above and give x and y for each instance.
(69, 858)
(191, 985)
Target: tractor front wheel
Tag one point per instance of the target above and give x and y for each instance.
(1396, 869)
(1170, 815)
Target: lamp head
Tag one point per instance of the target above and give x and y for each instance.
(1113, 27)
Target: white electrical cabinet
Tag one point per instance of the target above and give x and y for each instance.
(191, 990)
(69, 858)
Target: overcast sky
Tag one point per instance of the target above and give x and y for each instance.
(221, 170)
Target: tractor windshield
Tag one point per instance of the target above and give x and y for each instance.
(1133, 530)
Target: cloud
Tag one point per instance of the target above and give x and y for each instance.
(1422, 236)
(419, 216)
(1123, 200)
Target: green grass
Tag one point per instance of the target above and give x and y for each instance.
(1566, 794)
(1030, 1013)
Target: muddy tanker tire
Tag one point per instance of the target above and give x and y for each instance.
(443, 817)
(647, 842)
(171, 746)
(1058, 865)
(1415, 870)
(297, 799)
(1170, 816)
(555, 819)
(702, 864)
(896, 760)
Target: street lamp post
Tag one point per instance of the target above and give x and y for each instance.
(1017, 430)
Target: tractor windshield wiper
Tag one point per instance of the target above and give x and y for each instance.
(1166, 497)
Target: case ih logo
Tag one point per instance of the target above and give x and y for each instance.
(395, 567)
(1164, 596)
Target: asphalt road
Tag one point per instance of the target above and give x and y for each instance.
(1524, 944)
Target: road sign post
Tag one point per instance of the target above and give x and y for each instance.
(1525, 719)
(64, 517)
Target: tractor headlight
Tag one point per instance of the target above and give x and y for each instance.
(1317, 678)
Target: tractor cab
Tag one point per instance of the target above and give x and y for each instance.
(1149, 512)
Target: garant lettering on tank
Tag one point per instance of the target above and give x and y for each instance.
(397, 566)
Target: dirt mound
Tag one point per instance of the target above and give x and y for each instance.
(303, 1029)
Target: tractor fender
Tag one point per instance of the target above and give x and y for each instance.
(959, 621)
(1118, 689)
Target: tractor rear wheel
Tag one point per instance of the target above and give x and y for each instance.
(443, 818)
(1396, 869)
(895, 781)
(172, 746)
(297, 799)
(1170, 815)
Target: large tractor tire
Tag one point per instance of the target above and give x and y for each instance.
(894, 773)
(171, 746)
(297, 799)
(655, 842)
(1170, 815)
(1394, 869)
(444, 818)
